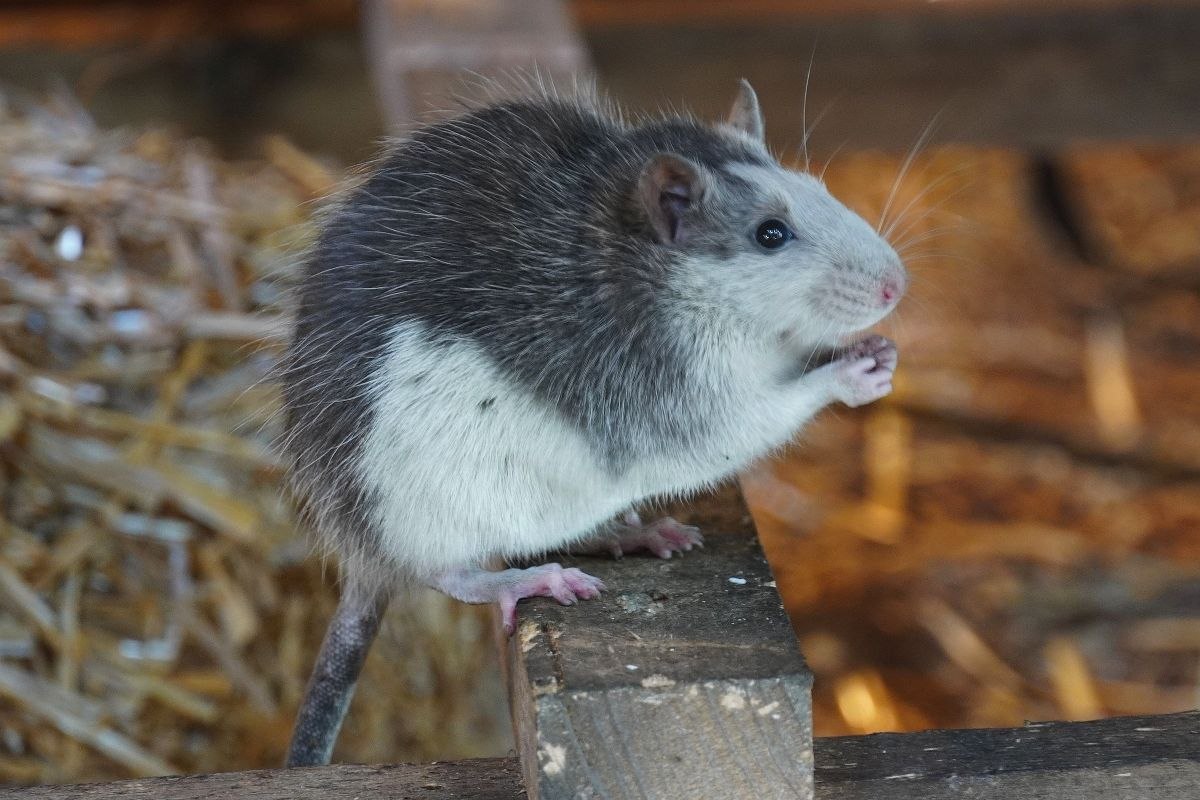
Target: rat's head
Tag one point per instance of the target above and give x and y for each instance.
(767, 244)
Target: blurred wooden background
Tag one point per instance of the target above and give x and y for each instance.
(882, 70)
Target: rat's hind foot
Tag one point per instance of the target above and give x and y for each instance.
(663, 537)
(506, 587)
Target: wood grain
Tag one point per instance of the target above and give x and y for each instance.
(1128, 758)
(481, 779)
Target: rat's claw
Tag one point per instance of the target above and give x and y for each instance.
(664, 537)
(878, 347)
(864, 373)
(567, 586)
(508, 612)
(551, 580)
(584, 586)
(683, 537)
(507, 587)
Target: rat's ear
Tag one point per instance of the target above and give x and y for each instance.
(668, 186)
(746, 116)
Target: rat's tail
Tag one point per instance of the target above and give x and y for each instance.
(331, 687)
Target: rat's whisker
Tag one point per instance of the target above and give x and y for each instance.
(804, 106)
(829, 161)
(921, 195)
(808, 132)
(906, 165)
(924, 236)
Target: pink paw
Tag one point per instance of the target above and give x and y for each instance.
(548, 580)
(663, 537)
(864, 373)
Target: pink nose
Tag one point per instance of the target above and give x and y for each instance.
(891, 290)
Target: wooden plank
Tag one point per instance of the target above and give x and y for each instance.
(1130, 758)
(604, 13)
(426, 55)
(1126, 758)
(682, 680)
(478, 779)
(93, 22)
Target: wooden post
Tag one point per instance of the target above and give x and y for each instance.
(682, 681)
(426, 53)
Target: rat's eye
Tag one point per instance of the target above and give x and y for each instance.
(773, 234)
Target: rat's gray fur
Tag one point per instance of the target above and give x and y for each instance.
(497, 350)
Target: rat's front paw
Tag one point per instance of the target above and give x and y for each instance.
(864, 373)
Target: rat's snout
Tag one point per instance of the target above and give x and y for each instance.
(893, 280)
(892, 287)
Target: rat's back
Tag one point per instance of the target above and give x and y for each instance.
(446, 288)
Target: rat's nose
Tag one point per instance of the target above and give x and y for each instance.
(891, 288)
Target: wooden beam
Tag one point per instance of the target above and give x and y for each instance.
(478, 779)
(1127, 758)
(682, 681)
(76, 23)
(621, 13)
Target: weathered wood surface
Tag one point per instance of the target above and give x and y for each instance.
(426, 56)
(683, 680)
(477, 779)
(1128, 758)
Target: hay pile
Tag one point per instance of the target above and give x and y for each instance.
(158, 612)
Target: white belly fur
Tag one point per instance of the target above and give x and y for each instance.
(457, 484)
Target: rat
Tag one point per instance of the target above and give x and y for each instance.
(527, 320)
